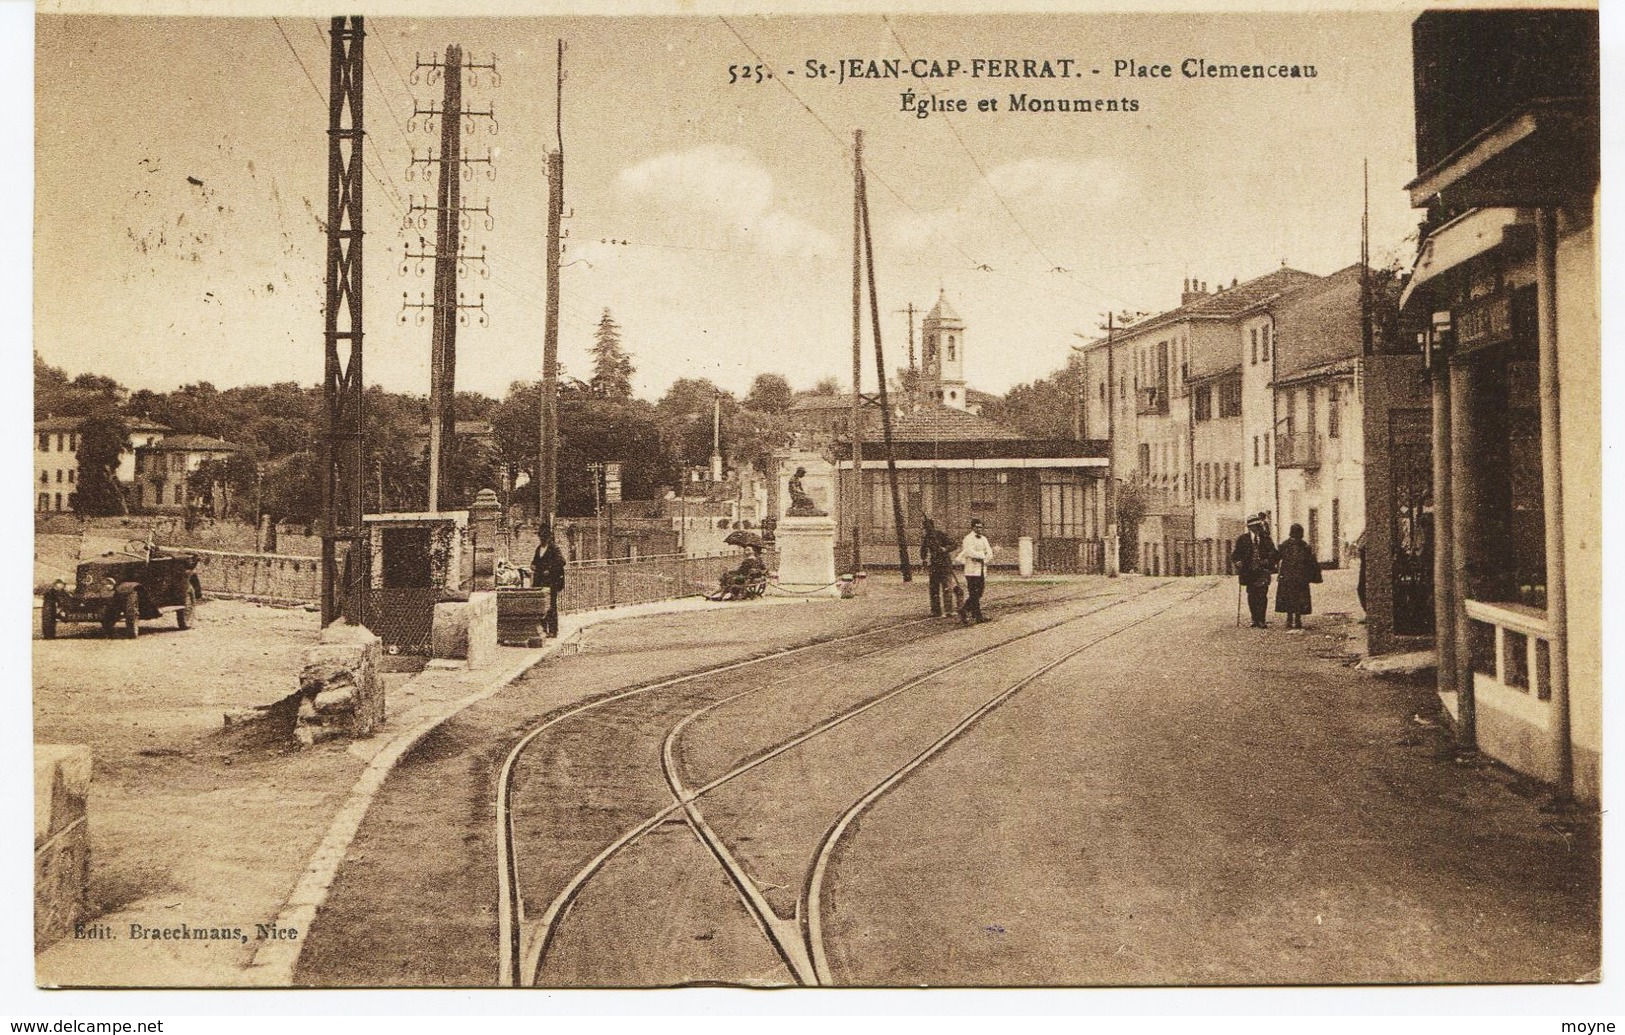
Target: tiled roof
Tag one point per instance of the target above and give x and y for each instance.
(938, 423)
(1231, 301)
(193, 444)
(1222, 304)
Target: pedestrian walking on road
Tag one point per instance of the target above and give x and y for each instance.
(1255, 557)
(547, 571)
(1299, 568)
(975, 553)
(936, 554)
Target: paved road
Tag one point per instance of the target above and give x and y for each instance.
(1107, 784)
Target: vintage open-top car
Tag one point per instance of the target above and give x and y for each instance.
(151, 583)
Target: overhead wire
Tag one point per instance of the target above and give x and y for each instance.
(842, 143)
(391, 195)
(1003, 202)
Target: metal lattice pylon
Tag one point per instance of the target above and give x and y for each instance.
(342, 385)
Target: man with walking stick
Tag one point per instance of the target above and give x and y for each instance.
(1254, 557)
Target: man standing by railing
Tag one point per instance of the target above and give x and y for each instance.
(547, 570)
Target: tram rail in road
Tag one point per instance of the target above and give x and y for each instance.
(798, 942)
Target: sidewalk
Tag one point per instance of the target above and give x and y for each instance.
(203, 837)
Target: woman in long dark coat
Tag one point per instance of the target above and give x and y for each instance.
(1298, 569)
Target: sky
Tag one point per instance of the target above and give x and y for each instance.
(713, 220)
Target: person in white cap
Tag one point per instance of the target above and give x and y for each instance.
(1255, 557)
(974, 553)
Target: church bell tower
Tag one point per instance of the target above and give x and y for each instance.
(942, 372)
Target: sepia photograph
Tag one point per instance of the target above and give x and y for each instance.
(866, 498)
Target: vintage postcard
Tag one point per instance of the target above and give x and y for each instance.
(863, 498)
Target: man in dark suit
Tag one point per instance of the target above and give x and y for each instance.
(936, 553)
(1255, 558)
(547, 570)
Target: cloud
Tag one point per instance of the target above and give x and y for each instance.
(722, 180)
(724, 195)
(1088, 184)
(1055, 200)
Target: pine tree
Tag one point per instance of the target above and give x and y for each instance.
(611, 366)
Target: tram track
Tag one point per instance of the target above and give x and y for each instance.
(510, 905)
(797, 940)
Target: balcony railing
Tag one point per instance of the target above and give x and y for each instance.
(1297, 451)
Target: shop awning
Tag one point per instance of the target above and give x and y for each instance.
(1457, 241)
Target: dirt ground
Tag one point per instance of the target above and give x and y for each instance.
(173, 790)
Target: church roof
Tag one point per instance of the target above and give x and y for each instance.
(939, 423)
(942, 311)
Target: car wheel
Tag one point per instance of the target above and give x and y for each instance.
(47, 617)
(132, 614)
(184, 616)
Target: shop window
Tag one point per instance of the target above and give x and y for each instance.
(1507, 554)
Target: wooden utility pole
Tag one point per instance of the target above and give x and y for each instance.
(443, 342)
(342, 385)
(857, 352)
(547, 461)
(880, 373)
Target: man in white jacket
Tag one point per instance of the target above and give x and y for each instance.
(975, 553)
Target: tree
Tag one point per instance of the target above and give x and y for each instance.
(769, 393)
(291, 489)
(598, 431)
(611, 366)
(1043, 409)
(826, 386)
(57, 395)
(685, 417)
(103, 439)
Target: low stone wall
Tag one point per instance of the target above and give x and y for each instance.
(270, 575)
(61, 840)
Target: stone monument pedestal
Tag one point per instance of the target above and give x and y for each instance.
(807, 554)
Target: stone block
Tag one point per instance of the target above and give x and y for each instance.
(347, 660)
(61, 840)
(482, 630)
(466, 630)
(334, 701)
(310, 736)
(807, 555)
